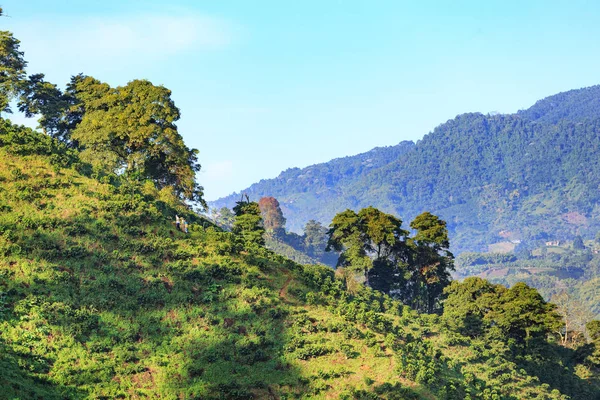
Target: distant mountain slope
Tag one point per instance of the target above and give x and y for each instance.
(574, 105)
(490, 177)
(310, 188)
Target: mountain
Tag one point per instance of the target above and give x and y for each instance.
(515, 178)
(102, 297)
(574, 105)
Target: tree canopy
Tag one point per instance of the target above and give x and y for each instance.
(12, 69)
(414, 269)
(124, 130)
(248, 223)
(475, 308)
(273, 219)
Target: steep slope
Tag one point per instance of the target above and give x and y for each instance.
(483, 174)
(101, 297)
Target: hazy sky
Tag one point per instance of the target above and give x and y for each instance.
(268, 85)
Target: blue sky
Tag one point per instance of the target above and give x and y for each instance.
(268, 85)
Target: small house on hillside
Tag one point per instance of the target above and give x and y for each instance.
(553, 243)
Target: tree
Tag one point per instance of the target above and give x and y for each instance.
(578, 243)
(272, 215)
(575, 316)
(248, 224)
(415, 270)
(593, 330)
(39, 97)
(315, 238)
(61, 112)
(384, 232)
(476, 307)
(12, 70)
(431, 262)
(347, 236)
(131, 129)
(523, 315)
(368, 238)
(467, 303)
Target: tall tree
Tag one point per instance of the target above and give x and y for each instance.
(519, 314)
(593, 332)
(432, 260)
(248, 223)
(132, 129)
(39, 97)
(575, 317)
(12, 70)
(273, 219)
(368, 238)
(347, 236)
(468, 303)
(61, 112)
(523, 315)
(315, 238)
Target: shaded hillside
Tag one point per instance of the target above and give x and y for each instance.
(102, 297)
(490, 177)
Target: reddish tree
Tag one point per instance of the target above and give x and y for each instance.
(271, 212)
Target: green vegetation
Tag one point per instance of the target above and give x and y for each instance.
(127, 130)
(527, 176)
(414, 270)
(248, 224)
(552, 269)
(101, 296)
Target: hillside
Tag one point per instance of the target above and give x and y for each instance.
(316, 188)
(102, 297)
(528, 176)
(574, 105)
(554, 270)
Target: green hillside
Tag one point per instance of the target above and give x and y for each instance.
(532, 176)
(102, 297)
(574, 105)
(104, 293)
(554, 270)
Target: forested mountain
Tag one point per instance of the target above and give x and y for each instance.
(574, 105)
(523, 177)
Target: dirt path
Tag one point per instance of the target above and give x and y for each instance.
(283, 291)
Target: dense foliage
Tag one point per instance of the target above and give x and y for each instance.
(273, 219)
(248, 223)
(413, 269)
(101, 296)
(128, 130)
(552, 269)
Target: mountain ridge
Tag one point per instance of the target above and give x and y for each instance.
(498, 185)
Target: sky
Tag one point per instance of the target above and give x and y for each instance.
(268, 85)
